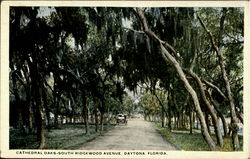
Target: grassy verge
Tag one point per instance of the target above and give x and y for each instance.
(65, 137)
(192, 142)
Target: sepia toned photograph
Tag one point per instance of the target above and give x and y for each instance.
(121, 81)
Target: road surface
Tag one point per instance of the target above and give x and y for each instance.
(137, 135)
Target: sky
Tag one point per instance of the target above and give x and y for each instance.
(45, 11)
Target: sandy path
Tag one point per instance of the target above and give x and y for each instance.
(137, 135)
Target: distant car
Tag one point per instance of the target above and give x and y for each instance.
(121, 118)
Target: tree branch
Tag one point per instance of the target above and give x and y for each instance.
(146, 29)
(136, 31)
(211, 37)
(215, 88)
(160, 102)
(222, 26)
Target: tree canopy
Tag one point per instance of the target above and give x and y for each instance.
(82, 61)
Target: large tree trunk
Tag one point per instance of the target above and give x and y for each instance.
(101, 108)
(46, 108)
(215, 104)
(37, 86)
(183, 121)
(41, 124)
(86, 121)
(40, 112)
(169, 119)
(31, 115)
(102, 118)
(190, 121)
(18, 101)
(29, 98)
(207, 122)
(162, 118)
(30, 109)
(73, 105)
(224, 123)
(96, 116)
(71, 114)
(163, 110)
(57, 102)
(170, 59)
(193, 119)
(57, 96)
(197, 124)
(234, 119)
(210, 108)
(169, 123)
(240, 118)
(85, 112)
(177, 121)
(56, 115)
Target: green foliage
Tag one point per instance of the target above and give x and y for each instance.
(192, 142)
(66, 137)
(150, 104)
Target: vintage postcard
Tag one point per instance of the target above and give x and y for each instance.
(125, 79)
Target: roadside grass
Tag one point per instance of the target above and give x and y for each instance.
(66, 137)
(193, 142)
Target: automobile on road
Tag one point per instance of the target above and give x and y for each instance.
(121, 118)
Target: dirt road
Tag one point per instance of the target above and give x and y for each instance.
(137, 135)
